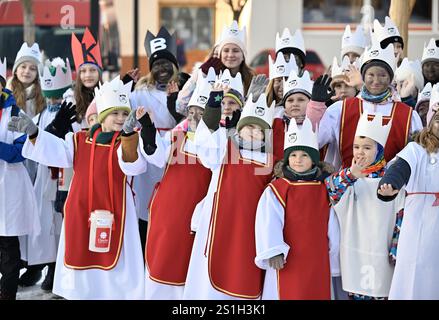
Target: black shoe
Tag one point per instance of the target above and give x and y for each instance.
(47, 284)
(30, 277)
(7, 296)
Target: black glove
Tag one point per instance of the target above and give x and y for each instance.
(148, 134)
(231, 123)
(2, 100)
(127, 78)
(321, 90)
(170, 103)
(212, 62)
(62, 123)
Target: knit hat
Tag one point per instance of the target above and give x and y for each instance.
(112, 96)
(375, 54)
(296, 84)
(91, 110)
(376, 63)
(257, 113)
(31, 54)
(303, 138)
(287, 43)
(232, 34)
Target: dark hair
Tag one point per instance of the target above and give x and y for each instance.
(247, 75)
(83, 97)
(19, 92)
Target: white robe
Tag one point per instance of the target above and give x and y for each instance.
(417, 261)
(329, 127)
(270, 220)
(211, 149)
(366, 228)
(18, 206)
(127, 279)
(153, 289)
(42, 247)
(154, 102)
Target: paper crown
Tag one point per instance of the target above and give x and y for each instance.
(113, 94)
(301, 137)
(353, 42)
(407, 68)
(86, 51)
(339, 70)
(294, 83)
(387, 32)
(56, 77)
(162, 46)
(373, 129)
(257, 112)
(27, 53)
(3, 69)
(210, 77)
(431, 52)
(281, 68)
(425, 94)
(235, 83)
(202, 91)
(232, 34)
(375, 52)
(290, 41)
(434, 98)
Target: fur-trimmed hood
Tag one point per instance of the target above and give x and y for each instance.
(324, 170)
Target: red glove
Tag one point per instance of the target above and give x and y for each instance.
(212, 62)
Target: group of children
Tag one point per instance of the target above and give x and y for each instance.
(233, 186)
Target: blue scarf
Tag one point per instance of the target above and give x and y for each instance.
(53, 107)
(366, 95)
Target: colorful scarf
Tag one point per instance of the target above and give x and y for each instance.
(383, 97)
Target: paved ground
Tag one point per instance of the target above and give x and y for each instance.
(35, 292)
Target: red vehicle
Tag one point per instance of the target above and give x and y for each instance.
(53, 38)
(314, 65)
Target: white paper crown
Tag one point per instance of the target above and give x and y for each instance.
(425, 94)
(298, 84)
(210, 77)
(373, 129)
(389, 29)
(374, 52)
(339, 70)
(353, 42)
(281, 68)
(113, 94)
(259, 109)
(62, 77)
(3, 68)
(235, 83)
(431, 52)
(202, 91)
(434, 99)
(32, 52)
(303, 136)
(232, 34)
(407, 68)
(289, 41)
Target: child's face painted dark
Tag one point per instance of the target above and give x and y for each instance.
(162, 71)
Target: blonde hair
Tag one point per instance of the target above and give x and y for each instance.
(19, 92)
(271, 96)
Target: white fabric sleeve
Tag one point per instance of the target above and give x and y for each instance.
(50, 150)
(131, 168)
(196, 216)
(211, 146)
(160, 155)
(269, 227)
(416, 123)
(140, 98)
(334, 243)
(329, 126)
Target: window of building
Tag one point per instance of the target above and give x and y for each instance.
(194, 25)
(345, 11)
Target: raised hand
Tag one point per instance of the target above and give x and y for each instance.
(357, 167)
(232, 122)
(172, 87)
(130, 122)
(387, 190)
(23, 123)
(321, 90)
(407, 88)
(354, 76)
(257, 86)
